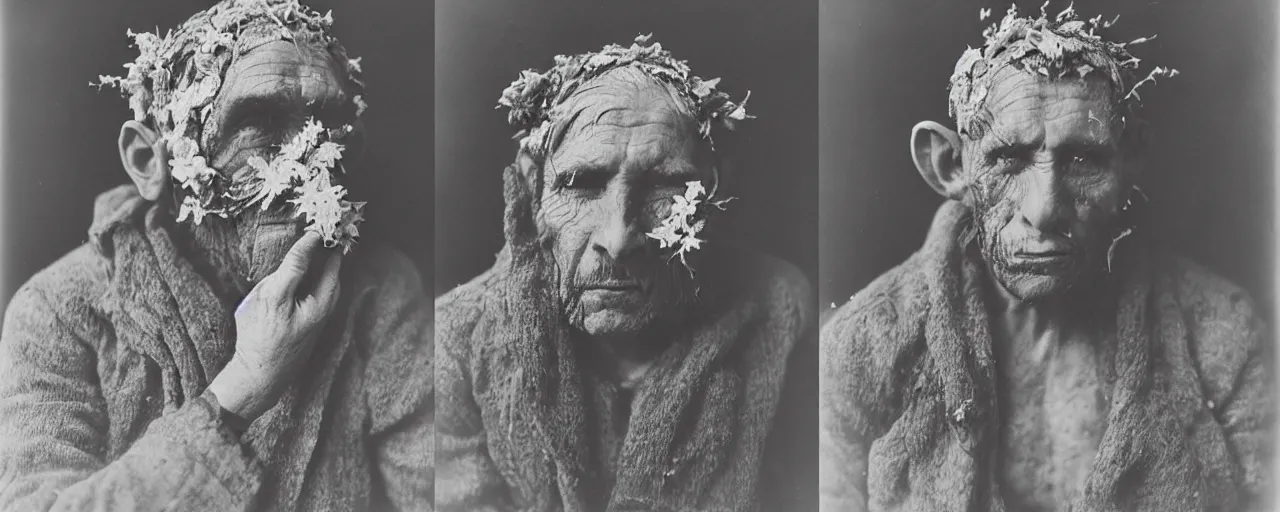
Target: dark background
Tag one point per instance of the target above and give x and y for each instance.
(60, 134)
(767, 47)
(885, 66)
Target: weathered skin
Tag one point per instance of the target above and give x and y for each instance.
(628, 147)
(267, 95)
(1046, 179)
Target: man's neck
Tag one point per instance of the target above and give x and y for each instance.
(624, 357)
(1041, 324)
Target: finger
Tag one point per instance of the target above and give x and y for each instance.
(247, 301)
(326, 288)
(295, 262)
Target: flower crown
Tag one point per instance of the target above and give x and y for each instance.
(1060, 47)
(532, 97)
(174, 81)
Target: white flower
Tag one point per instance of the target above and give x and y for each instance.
(666, 234)
(683, 223)
(191, 207)
(325, 155)
(693, 189)
(683, 207)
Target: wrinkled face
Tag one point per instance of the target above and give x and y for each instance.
(267, 95)
(628, 147)
(1046, 181)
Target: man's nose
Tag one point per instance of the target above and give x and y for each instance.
(1043, 206)
(617, 234)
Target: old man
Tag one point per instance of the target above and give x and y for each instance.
(619, 356)
(211, 347)
(1040, 352)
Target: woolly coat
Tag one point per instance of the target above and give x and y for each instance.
(724, 420)
(104, 355)
(908, 410)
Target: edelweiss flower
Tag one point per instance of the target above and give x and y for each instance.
(685, 220)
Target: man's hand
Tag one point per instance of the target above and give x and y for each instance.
(276, 327)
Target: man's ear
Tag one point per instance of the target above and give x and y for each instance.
(145, 158)
(935, 149)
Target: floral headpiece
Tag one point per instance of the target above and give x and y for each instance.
(1060, 47)
(533, 98)
(174, 81)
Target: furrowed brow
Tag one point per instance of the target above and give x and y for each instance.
(677, 170)
(244, 111)
(995, 147)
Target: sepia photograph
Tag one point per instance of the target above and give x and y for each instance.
(625, 255)
(1047, 236)
(217, 241)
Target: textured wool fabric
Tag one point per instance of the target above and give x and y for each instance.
(908, 409)
(105, 354)
(519, 428)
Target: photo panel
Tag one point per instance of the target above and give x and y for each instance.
(218, 236)
(1046, 255)
(626, 255)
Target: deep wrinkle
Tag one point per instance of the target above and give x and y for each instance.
(627, 147)
(1044, 176)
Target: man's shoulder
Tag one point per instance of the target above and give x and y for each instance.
(70, 287)
(779, 286)
(1210, 298)
(869, 344)
(459, 310)
(1225, 328)
(882, 313)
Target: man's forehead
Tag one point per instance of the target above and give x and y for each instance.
(659, 145)
(309, 71)
(1023, 105)
(623, 98)
(622, 116)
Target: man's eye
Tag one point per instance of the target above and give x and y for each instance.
(584, 181)
(680, 182)
(1086, 161)
(1004, 160)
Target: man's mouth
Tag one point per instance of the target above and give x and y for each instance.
(616, 286)
(1041, 260)
(1041, 256)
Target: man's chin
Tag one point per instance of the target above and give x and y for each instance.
(1036, 287)
(610, 321)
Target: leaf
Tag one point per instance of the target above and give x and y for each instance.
(325, 155)
(705, 87)
(361, 106)
(348, 228)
